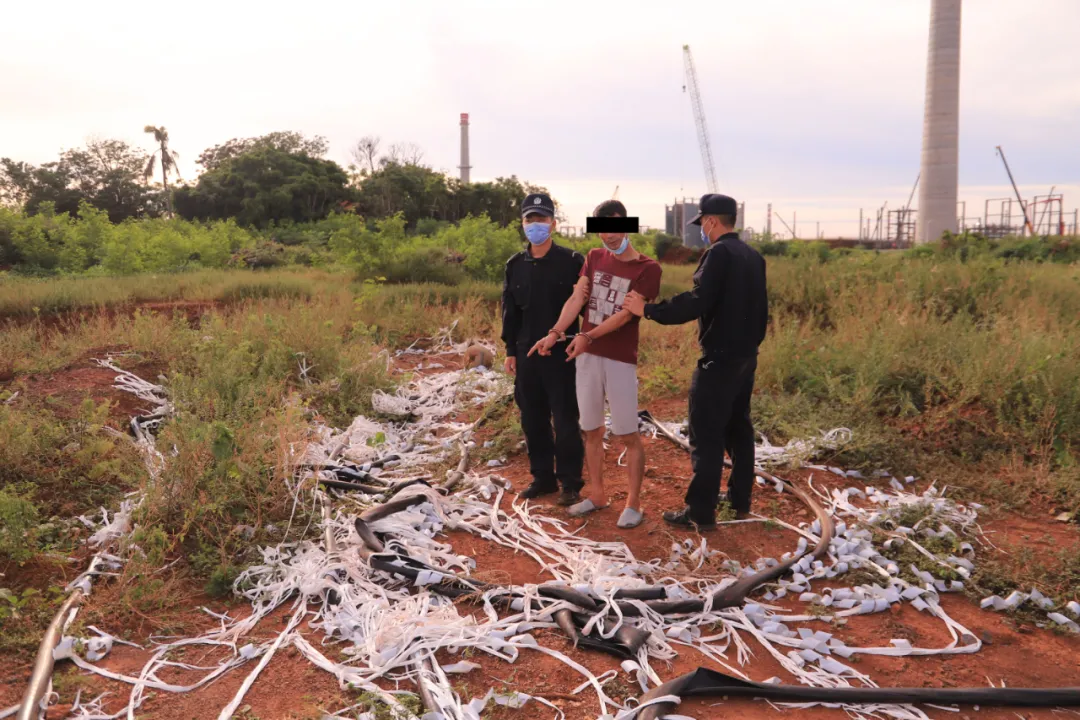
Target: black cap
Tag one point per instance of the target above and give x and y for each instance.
(714, 204)
(538, 203)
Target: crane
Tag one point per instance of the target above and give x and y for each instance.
(1023, 207)
(699, 119)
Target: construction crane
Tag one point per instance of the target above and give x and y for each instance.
(1023, 207)
(699, 119)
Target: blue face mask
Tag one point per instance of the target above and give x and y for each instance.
(705, 237)
(537, 232)
(622, 248)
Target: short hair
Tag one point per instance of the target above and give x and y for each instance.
(610, 208)
(727, 220)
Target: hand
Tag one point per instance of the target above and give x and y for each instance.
(510, 365)
(543, 345)
(635, 303)
(578, 346)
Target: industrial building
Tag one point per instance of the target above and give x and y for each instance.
(681, 212)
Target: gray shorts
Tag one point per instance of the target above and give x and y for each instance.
(600, 378)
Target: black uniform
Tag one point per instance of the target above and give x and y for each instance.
(534, 293)
(731, 306)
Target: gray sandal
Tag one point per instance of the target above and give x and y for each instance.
(630, 518)
(584, 507)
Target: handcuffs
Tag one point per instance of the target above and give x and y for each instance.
(563, 337)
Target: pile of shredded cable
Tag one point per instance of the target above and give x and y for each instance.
(794, 452)
(385, 629)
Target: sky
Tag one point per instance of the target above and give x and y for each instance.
(813, 106)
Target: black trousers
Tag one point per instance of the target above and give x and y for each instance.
(719, 420)
(545, 392)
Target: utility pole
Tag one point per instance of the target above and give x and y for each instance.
(768, 221)
(860, 224)
(784, 222)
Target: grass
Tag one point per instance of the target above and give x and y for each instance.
(28, 297)
(961, 371)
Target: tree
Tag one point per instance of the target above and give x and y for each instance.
(168, 160)
(288, 142)
(499, 200)
(415, 192)
(403, 154)
(365, 152)
(264, 186)
(107, 174)
(419, 192)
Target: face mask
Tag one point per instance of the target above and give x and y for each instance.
(537, 232)
(705, 236)
(622, 248)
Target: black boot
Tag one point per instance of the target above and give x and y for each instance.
(569, 497)
(683, 519)
(538, 488)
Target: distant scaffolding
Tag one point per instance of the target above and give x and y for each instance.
(1047, 214)
(1001, 217)
(901, 227)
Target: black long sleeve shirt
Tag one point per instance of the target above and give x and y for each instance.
(729, 301)
(534, 292)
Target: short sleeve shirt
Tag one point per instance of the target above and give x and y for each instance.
(610, 279)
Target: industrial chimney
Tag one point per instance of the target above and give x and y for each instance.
(465, 167)
(941, 125)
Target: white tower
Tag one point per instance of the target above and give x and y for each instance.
(464, 167)
(941, 125)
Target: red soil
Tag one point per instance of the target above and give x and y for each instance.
(292, 688)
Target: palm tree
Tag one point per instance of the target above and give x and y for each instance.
(168, 160)
(941, 125)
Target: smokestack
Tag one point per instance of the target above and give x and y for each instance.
(941, 125)
(464, 167)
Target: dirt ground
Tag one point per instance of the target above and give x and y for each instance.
(64, 390)
(290, 687)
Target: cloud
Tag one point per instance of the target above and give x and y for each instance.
(815, 106)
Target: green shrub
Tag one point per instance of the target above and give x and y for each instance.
(423, 265)
(18, 521)
(663, 243)
(774, 248)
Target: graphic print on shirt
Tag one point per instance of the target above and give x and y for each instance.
(606, 297)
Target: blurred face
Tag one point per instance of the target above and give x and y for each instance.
(612, 241)
(712, 226)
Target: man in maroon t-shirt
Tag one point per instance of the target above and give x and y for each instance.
(606, 352)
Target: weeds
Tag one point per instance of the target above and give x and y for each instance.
(410, 706)
(957, 369)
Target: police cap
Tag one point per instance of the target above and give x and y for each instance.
(715, 204)
(538, 203)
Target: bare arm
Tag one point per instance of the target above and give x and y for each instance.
(572, 308)
(612, 324)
